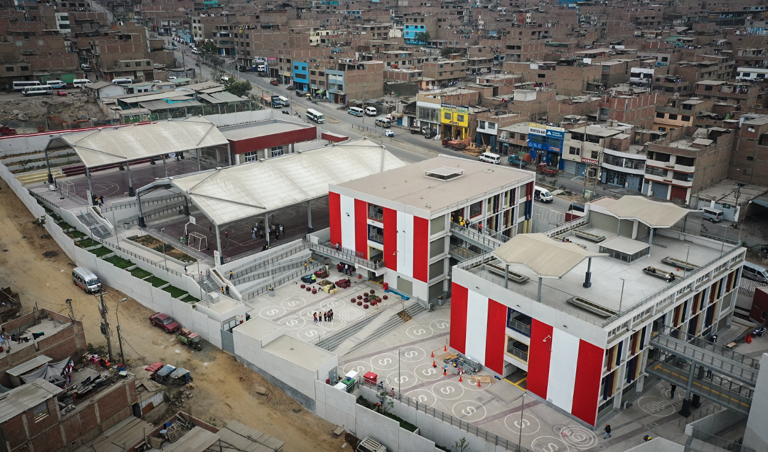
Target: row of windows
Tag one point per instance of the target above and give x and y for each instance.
(672, 116)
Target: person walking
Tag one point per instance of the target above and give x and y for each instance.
(226, 233)
(607, 430)
(230, 275)
(314, 314)
(253, 233)
(281, 230)
(709, 374)
(227, 289)
(672, 391)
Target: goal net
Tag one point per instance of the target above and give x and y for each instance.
(198, 241)
(67, 188)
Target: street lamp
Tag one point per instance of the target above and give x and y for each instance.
(621, 299)
(520, 436)
(685, 269)
(119, 338)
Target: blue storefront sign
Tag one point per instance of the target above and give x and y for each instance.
(556, 134)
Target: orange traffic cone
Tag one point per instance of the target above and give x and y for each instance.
(444, 372)
(433, 355)
(460, 380)
(445, 348)
(434, 364)
(478, 384)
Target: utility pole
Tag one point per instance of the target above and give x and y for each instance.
(119, 337)
(71, 311)
(105, 324)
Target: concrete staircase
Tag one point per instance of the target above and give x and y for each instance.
(388, 326)
(93, 225)
(332, 342)
(38, 176)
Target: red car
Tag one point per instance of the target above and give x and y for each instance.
(165, 322)
(274, 82)
(61, 92)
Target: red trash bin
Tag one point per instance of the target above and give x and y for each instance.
(385, 286)
(371, 378)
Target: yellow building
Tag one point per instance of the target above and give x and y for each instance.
(455, 121)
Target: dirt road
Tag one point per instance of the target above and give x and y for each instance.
(225, 389)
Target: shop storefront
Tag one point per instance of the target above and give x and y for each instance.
(454, 120)
(546, 144)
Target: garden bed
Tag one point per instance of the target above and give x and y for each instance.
(76, 234)
(119, 262)
(190, 299)
(87, 243)
(159, 246)
(140, 273)
(100, 251)
(65, 226)
(174, 291)
(157, 282)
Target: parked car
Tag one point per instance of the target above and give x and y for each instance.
(165, 322)
(61, 92)
(389, 133)
(274, 82)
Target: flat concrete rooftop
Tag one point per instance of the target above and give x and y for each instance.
(298, 352)
(607, 275)
(261, 129)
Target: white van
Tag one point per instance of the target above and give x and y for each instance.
(86, 280)
(122, 81)
(755, 272)
(383, 122)
(285, 101)
(78, 82)
(355, 111)
(712, 215)
(371, 111)
(542, 194)
(315, 115)
(490, 157)
(57, 84)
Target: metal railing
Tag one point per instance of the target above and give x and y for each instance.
(519, 326)
(144, 202)
(514, 351)
(474, 236)
(376, 216)
(273, 270)
(345, 254)
(136, 256)
(462, 253)
(489, 437)
(717, 441)
(668, 334)
(277, 282)
(565, 227)
(268, 259)
(376, 238)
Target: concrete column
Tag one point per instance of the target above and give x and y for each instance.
(538, 295)
(165, 168)
(266, 227)
(634, 229)
(618, 227)
(506, 276)
(650, 237)
(310, 229)
(588, 277)
(142, 224)
(90, 185)
(48, 166)
(229, 155)
(237, 159)
(199, 155)
(131, 191)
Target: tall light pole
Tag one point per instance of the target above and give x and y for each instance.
(687, 253)
(105, 325)
(621, 299)
(398, 372)
(114, 223)
(163, 240)
(119, 338)
(520, 435)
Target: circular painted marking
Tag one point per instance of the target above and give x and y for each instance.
(270, 312)
(549, 444)
(330, 304)
(440, 325)
(336, 324)
(384, 361)
(404, 378)
(352, 314)
(427, 373)
(419, 331)
(412, 354)
(529, 424)
(422, 396)
(577, 437)
(311, 333)
(447, 390)
(292, 322)
(293, 303)
(656, 406)
(361, 367)
(469, 410)
(666, 393)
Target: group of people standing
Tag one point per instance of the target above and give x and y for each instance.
(323, 316)
(258, 230)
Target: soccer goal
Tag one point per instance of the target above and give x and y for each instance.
(67, 188)
(198, 241)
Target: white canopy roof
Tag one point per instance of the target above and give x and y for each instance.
(242, 191)
(546, 257)
(653, 213)
(107, 146)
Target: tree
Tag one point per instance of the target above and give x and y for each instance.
(422, 37)
(461, 445)
(238, 88)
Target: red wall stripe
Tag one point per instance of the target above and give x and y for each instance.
(390, 238)
(361, 227)
(273, 140)
(459, 295)
(539, 354)
(587, 385)
(334, 209)
(421, 249)
(495, 336)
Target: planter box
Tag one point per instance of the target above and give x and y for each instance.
(672, 262)
(590, 237)
(585, 304)
(516, 277)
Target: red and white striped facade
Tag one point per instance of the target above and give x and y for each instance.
(563, 369)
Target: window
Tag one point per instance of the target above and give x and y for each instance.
(708, 88)
(277, 151)
(137, 64)
(542, 75)
(750, 158)
(252, 156)
(40, 411)
(447, 116)
(9, 69)
(460, 118)
(686, 118)
(660, 115)
(673, 117)
(574, 151)
(475, 209)
(481, 124)
(492, 125)
(764, 315)
(595, 155)
(662, 129)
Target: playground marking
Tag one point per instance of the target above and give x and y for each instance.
(469, 410)
(447, 390)
(384, 361)
(528, 422)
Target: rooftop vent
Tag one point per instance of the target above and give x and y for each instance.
(444, 173)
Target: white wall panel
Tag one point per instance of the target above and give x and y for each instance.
(562, 369)
(477, 325)
(405, 244)
(347, 221)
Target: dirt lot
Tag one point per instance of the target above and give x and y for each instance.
(72, 107)
(225, 389)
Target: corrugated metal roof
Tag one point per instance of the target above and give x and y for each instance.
(196, 440)
(21, 399)
(156, 105)
(247, 190)
(246, 438)
(652, 213)
(109, 145)
(33, 363)
(119, 438)
(541, 254)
